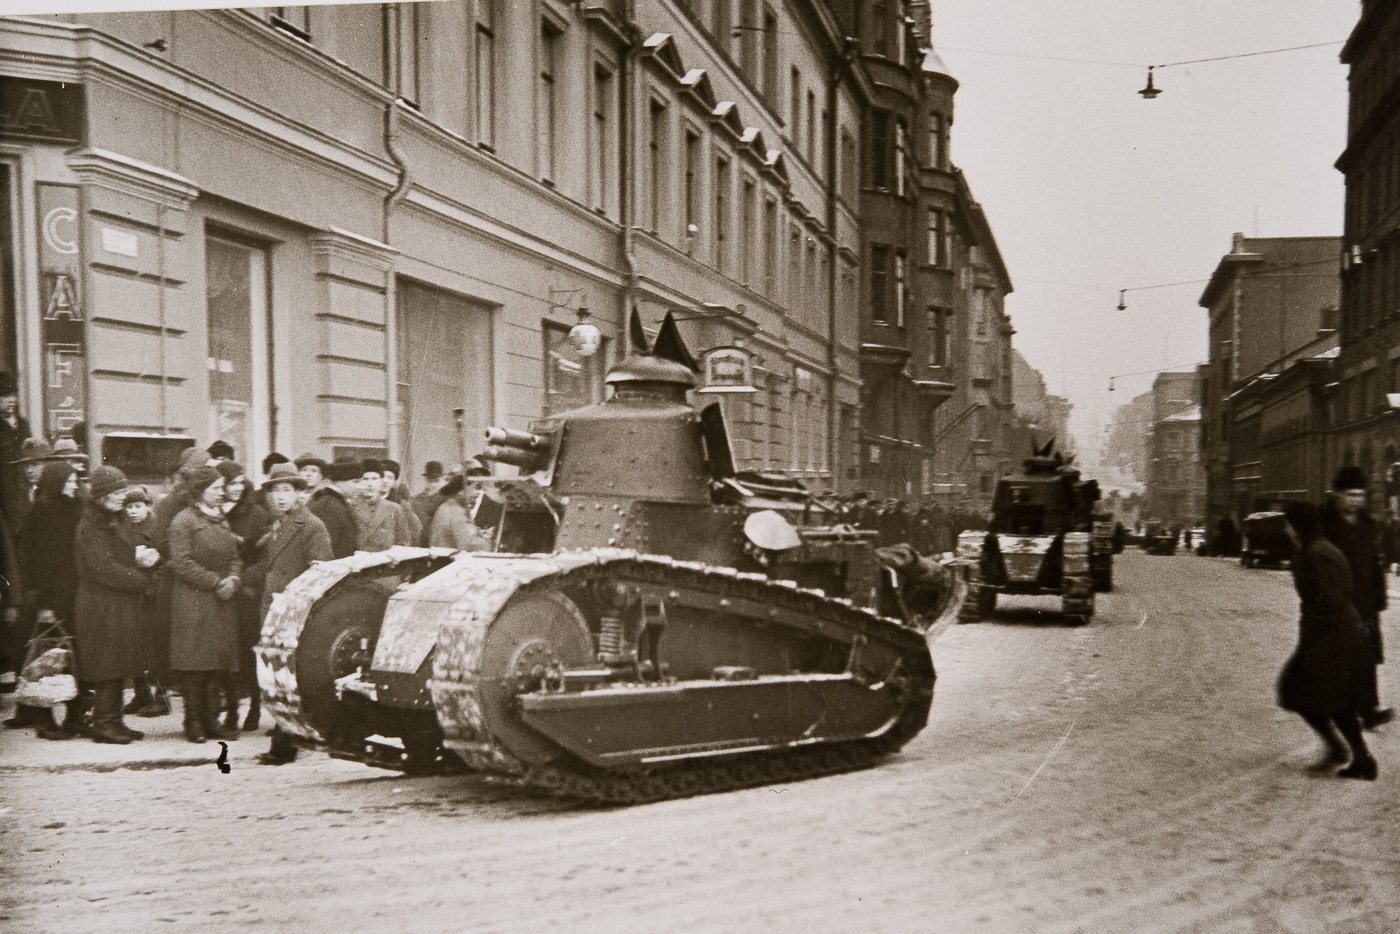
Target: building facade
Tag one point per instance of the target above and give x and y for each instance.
(1270, 301)
(369, 228)
(1365, 428)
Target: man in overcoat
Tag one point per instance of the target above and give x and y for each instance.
(296, 540)
(1347, 524)
(331, 504)
(381, 524)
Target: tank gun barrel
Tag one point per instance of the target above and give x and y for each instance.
(524, 449)
(523, 440)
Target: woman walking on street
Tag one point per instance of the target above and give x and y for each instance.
(111, 615)
(205, 568)
(1331, 675)
(46, 556)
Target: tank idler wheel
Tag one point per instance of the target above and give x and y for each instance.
(338, 640)
(533, 638)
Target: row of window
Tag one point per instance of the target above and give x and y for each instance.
(1371, 290)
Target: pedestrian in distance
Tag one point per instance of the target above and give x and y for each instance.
(111, 612)
(426, 502)
(1330, 675)
(296, 540)
(205, 568)
(13, 501)
(1348, 524)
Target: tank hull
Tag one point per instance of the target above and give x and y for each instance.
(614, 676)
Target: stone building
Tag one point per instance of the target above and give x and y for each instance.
(1365, 428)
(370, 228)
(1269, 300)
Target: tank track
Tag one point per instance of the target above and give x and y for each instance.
(459, 711)
(286, 618)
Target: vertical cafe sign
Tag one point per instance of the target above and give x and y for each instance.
(61, 307)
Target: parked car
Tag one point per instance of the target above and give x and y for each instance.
(1159, 538)
(1266, 540)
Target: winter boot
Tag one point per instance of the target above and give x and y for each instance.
(214, 695)
(77, 720)
(194, 691)
(107, 714)
(250, 722)
(140, 696)
(47, 727)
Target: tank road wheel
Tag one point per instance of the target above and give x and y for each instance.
(338, 640)
(533, 636)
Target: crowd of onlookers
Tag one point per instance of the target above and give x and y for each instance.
(168, 596)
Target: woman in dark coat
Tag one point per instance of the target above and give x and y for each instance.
(1331, 675)
(204, 567)
(250, 522)
(46, 555)
(111, 614)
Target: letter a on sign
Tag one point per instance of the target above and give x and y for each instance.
(63, 299)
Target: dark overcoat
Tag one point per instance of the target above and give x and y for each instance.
(1359, 543)
(46, 553)
(250, 522)
(289, 549)
(331, 507)
(1332, 669)
(111, 614)
(203, 628)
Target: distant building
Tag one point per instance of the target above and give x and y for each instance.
(1272, 301)
(1175, 483)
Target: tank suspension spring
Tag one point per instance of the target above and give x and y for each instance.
(611, 640)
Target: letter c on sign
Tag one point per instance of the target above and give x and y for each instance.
(57, 223)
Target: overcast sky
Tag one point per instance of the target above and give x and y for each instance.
(1091, 188)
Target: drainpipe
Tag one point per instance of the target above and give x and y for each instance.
(391, 328)
(833, 414)
(627, 202)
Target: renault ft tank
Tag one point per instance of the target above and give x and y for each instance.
(684, 628)
(1044, 538)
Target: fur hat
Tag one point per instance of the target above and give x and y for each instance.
(393, 467)
(199, 479)
(370, 465)
(220, 449)
(284, 473)
(339, 471)
(137, 494)
(310, 458)
(1350, 478)
(107, 480)
(191, 458)
(229, 469)
(273, 458)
